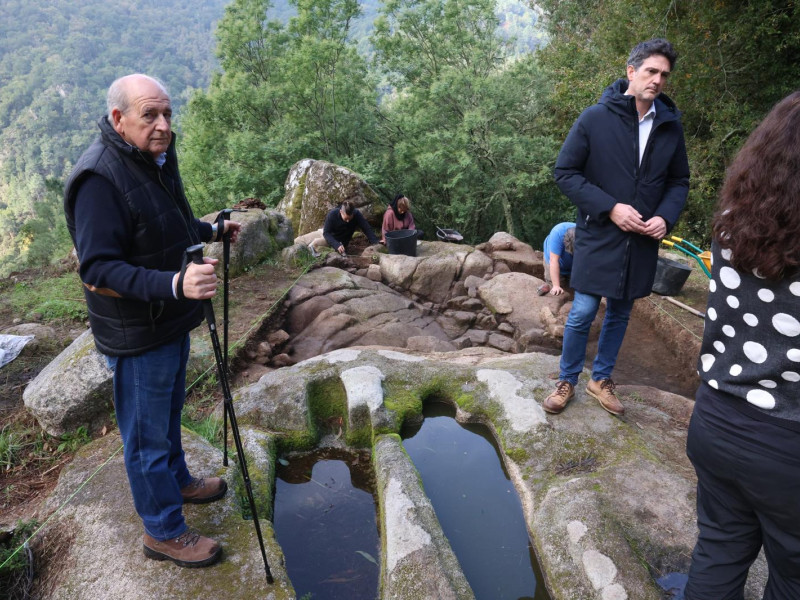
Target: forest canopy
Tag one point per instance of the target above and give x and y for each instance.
(463, 122)
(460, 104)
(57, 59)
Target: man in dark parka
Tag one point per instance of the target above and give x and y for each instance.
(624, 166)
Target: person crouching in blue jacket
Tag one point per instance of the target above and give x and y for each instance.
(624, 166)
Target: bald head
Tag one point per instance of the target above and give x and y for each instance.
(119, 93)
(141, 113)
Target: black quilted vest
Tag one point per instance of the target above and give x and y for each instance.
(164, 227)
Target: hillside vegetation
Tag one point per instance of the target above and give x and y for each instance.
(432, 97)
(456, 117)
(57, 59)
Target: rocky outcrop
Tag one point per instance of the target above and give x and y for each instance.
(513, 295)
(329, 308)
(73, 390)
(313, 187)
(263, 234)
(517, 256)
(449, 296)
(609, 502)
(417, 559)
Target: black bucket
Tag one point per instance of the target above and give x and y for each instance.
(402, 241)
(670, 276)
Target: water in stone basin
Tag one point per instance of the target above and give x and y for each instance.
(326, 524)
(476, 504)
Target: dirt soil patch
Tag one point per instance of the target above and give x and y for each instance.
(662, 344)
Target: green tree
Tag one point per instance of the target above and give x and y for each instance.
(45, 236)
(57, 59)
(736, 59)
(463, 123)
(286, 92)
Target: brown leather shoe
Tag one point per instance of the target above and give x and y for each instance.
(603, 390)
(201, 491)
(187, 550)
(557, 401)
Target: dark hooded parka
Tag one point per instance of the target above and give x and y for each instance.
(598, 166)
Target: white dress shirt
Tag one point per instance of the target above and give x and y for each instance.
(645, 127)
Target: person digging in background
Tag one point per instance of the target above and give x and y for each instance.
(131, 223)
(557, 249)
(340, 225)
(744, 435)
(624, 166)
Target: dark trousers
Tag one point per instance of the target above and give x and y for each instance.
(748, 495)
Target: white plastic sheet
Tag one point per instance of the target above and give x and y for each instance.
(11, 346)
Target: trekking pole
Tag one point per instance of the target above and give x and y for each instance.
(224, 214)
(195, 254)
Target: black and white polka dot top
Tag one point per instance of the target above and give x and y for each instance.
(751, 342)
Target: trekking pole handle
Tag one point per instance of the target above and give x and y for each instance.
(222, 216)
(195, 254)
(192, 254)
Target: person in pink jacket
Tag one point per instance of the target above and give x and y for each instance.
(398, 216)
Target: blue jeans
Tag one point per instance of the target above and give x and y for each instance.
(576, 334)
(149, 391)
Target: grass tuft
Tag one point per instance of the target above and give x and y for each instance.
(53, 299)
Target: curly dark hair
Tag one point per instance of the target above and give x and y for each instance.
(758, 214)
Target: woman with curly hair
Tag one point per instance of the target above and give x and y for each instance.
(744, 436)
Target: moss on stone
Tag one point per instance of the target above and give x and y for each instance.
(262, 481)
(327, 398)
(295, 441)
(359, 438)
(226, 572)
(82, 351)
(518, 455)
(327, 402)
(576, 448)
(402, 400)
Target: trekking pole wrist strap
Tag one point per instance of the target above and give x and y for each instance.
(179, 287)
(219, 227)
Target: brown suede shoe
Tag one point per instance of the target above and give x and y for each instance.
(201, 491)
(187, 550)
(557, 401)
(603, 390)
